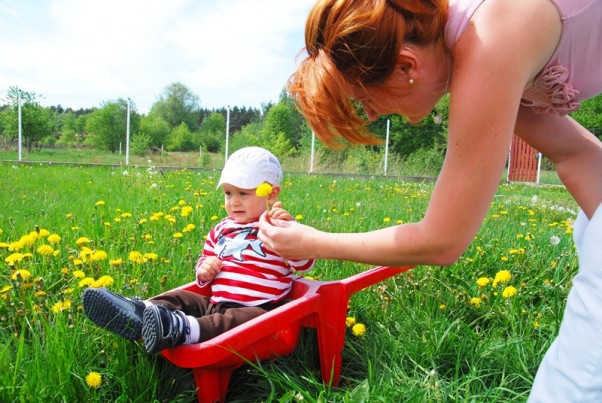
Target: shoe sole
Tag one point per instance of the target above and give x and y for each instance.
(103, 311)
(152, 329)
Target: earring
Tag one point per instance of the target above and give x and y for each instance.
(411, 81)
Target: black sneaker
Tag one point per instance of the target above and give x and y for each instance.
(163, 328)
(113, 312)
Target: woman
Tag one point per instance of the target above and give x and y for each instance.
(511, 66)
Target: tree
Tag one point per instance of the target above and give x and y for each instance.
(177, 105)
(279, 119)
(590, 115)
(37, 122)
(156, 128)
(182, 139)
(213, 131)
(107, 126)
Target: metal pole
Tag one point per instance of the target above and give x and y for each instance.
(20, 145)
(387, 146)
(538, 167)
(227, 131)
(311, 157)
(127, 136)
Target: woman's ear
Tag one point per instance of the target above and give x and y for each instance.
(407, 64)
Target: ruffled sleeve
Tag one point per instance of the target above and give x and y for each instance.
(551, 92)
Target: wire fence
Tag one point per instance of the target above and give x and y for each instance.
(410, 152)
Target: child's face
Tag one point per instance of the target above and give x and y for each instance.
(243, 205)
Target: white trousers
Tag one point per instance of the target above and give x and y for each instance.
(571, 370)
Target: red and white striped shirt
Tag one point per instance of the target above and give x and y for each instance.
(251, 274)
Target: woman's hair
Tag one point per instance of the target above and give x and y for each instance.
(356, 42)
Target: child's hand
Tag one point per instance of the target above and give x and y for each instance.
(279, 213)
(209, 269)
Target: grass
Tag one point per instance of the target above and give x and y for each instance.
(433, 334)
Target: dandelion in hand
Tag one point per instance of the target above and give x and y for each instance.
(264, 190)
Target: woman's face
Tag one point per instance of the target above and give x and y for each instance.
(413, 99)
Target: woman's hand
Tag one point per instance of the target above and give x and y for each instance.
(209, 269)
(288, 238)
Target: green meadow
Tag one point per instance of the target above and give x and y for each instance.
(473, 331)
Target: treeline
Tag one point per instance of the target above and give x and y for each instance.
(177, 122)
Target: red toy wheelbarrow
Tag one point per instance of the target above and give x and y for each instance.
(317, 304)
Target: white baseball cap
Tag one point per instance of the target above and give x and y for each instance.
(249, 167)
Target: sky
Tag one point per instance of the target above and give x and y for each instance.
(81, 53)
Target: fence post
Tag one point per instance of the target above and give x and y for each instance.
(127, 135)
(311, 156)
(20, 145)
(227, 132)
(387, 146)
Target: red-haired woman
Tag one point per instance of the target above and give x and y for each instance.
(510, 66)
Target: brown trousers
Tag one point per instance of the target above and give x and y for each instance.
(214, 319)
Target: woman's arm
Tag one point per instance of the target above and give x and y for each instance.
(506, 44)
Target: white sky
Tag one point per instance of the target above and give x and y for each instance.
(80, 53)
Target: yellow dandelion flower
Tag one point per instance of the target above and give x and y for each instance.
(30, 239)
(40, 293)
(23, 274)
(189, 228)
(483, 281)
(182, 203)
(4, 245)
(509, 292)
(387, 219)
(142, 221)
(100, 203)
(78, 262)
(442, 306)
(86, 282)
(475, 301)
(45, 250)
(82, 241)
(186, 211)
(103, 281)
(358, 329)
(349, 321)
(99, 255)
(94, 379)
(115, 262)
(151, 256)
(126, 215)
(6, 288)
(136, 257)
(15, 246)
(54, 238)
(502, 276)
(44, 233)
(79, 274)
(298, 217)
(68, 216)
(61, 306)
(14, 258)
(264, 190)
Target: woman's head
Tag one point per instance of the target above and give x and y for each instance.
(356, 44)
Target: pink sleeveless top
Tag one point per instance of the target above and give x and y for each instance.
(573, 73)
